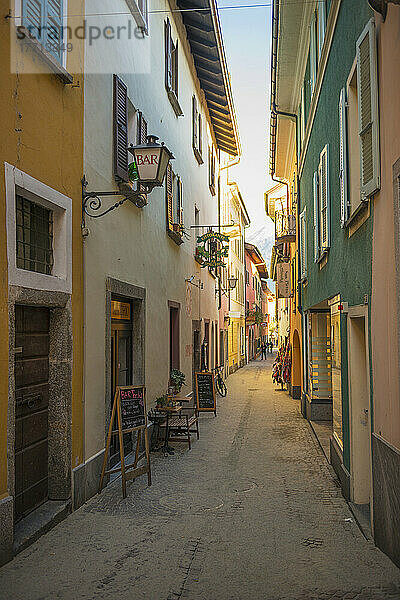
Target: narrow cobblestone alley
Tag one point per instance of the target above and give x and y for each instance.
(251, 512)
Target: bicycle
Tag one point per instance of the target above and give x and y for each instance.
(219, 382)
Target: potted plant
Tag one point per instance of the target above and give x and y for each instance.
(161, 401)
(177, 379)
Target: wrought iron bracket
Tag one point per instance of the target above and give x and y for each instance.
(92, 201)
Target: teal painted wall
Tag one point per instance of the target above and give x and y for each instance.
(349, 268)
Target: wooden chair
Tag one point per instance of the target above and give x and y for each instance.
(182, 425)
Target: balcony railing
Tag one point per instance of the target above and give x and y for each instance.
(285, 227)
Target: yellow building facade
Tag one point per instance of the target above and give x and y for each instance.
(235, 212)
(41, 149)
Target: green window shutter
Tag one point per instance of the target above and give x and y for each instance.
(303, 245)
(324, 199)
(321, 24)
(343, 166)
(168, 56)
(33, 17)
(313, 53)
(368, 118)
(316, 217)
(54, 28)
(120, 117)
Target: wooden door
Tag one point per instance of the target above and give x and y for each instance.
(31, 408)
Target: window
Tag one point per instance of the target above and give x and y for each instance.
(317, 36)
(130, 126)
(171, 69)
(34, 234)
(211, 170)
(321, 193)
(39, 233)
(343, 168)
(247, 277)
(120, 118)
(324, 200)
(368, 132)
(44, 20)
(242, 340)
(174, 205)
(139, 10)
(174, 336)
(196, 132)
(303, 245)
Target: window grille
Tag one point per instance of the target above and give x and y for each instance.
(34, 236)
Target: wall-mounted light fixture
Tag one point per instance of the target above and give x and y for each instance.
(232, 281)
(151, 160)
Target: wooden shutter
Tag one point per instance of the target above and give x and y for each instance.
(324, 198)
(343, 168)
(120, 109)
(168, 56)
(194, 122)
(54, 27)
(303, 245)
(169, 197)
(316, 217)
(368, 118)
(313, 53)
(180, 201)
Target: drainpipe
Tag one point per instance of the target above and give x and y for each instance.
(273, 129)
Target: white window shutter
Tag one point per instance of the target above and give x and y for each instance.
(324, 199)
(368, 118)
(313, 53)
(343, 165)
(321, 24)
(54, 27)
(316, 217)
(303, 245)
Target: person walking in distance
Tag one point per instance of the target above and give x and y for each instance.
(263, 351)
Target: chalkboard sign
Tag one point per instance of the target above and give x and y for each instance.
(132, 407)
(205, 392)
(129, 407)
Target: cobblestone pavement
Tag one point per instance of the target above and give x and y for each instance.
(252, 512)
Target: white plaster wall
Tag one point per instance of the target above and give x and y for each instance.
(131, 244)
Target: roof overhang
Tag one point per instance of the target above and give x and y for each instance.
(290, 26)
(201, 20)
(257, 259)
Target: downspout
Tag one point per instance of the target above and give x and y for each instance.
(273, 129)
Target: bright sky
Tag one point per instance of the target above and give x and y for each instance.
(247, 39)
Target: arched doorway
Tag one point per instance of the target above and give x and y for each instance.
(296, 366)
